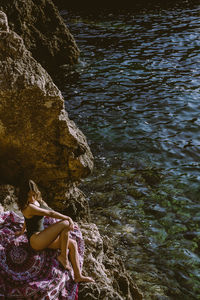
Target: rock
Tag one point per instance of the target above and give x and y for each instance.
(8, 199)
(37, 138)
(112, 281)
(3, 22)
(43, 31)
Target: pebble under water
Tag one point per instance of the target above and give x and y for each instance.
(135, 95)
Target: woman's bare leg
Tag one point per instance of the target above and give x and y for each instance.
(63, 257)
(74, 258)
(43, 239)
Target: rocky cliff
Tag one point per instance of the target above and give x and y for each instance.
(37, 138)
(43, 31)
(39, 141)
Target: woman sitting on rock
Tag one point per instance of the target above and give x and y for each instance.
(55, 236)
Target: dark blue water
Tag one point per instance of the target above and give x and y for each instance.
(136, 95)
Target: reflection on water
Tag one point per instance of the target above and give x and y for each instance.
(135, 94)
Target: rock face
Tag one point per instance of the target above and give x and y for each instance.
(37, 138)
(43, 31)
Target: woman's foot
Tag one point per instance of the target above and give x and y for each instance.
(83, 279)
(64, 262)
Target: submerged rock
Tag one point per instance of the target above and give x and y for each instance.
(43, 31)
(37, 138)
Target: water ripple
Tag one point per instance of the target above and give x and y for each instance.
(135, 94)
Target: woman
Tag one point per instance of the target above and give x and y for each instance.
(55, 236)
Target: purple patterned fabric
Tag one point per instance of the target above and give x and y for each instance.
(29, 274)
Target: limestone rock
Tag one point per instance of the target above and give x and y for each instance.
(112, 281)
(43, 31)
(3, 22)
(37, 138)
(8, 199)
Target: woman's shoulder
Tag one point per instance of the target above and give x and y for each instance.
(27, 211)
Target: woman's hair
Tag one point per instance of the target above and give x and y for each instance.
(25, 187)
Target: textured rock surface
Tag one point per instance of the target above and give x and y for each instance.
(112, 280)
(43, 31)
(8, 199)
(37, 138)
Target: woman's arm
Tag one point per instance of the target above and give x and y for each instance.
(35, 210)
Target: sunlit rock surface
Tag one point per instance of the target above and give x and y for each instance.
(43, 31)
(37, 138)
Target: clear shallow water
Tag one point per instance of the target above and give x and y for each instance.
(135, 94)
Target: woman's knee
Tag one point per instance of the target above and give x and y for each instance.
(65, 224)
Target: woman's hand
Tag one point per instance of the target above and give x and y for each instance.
(71, 223)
